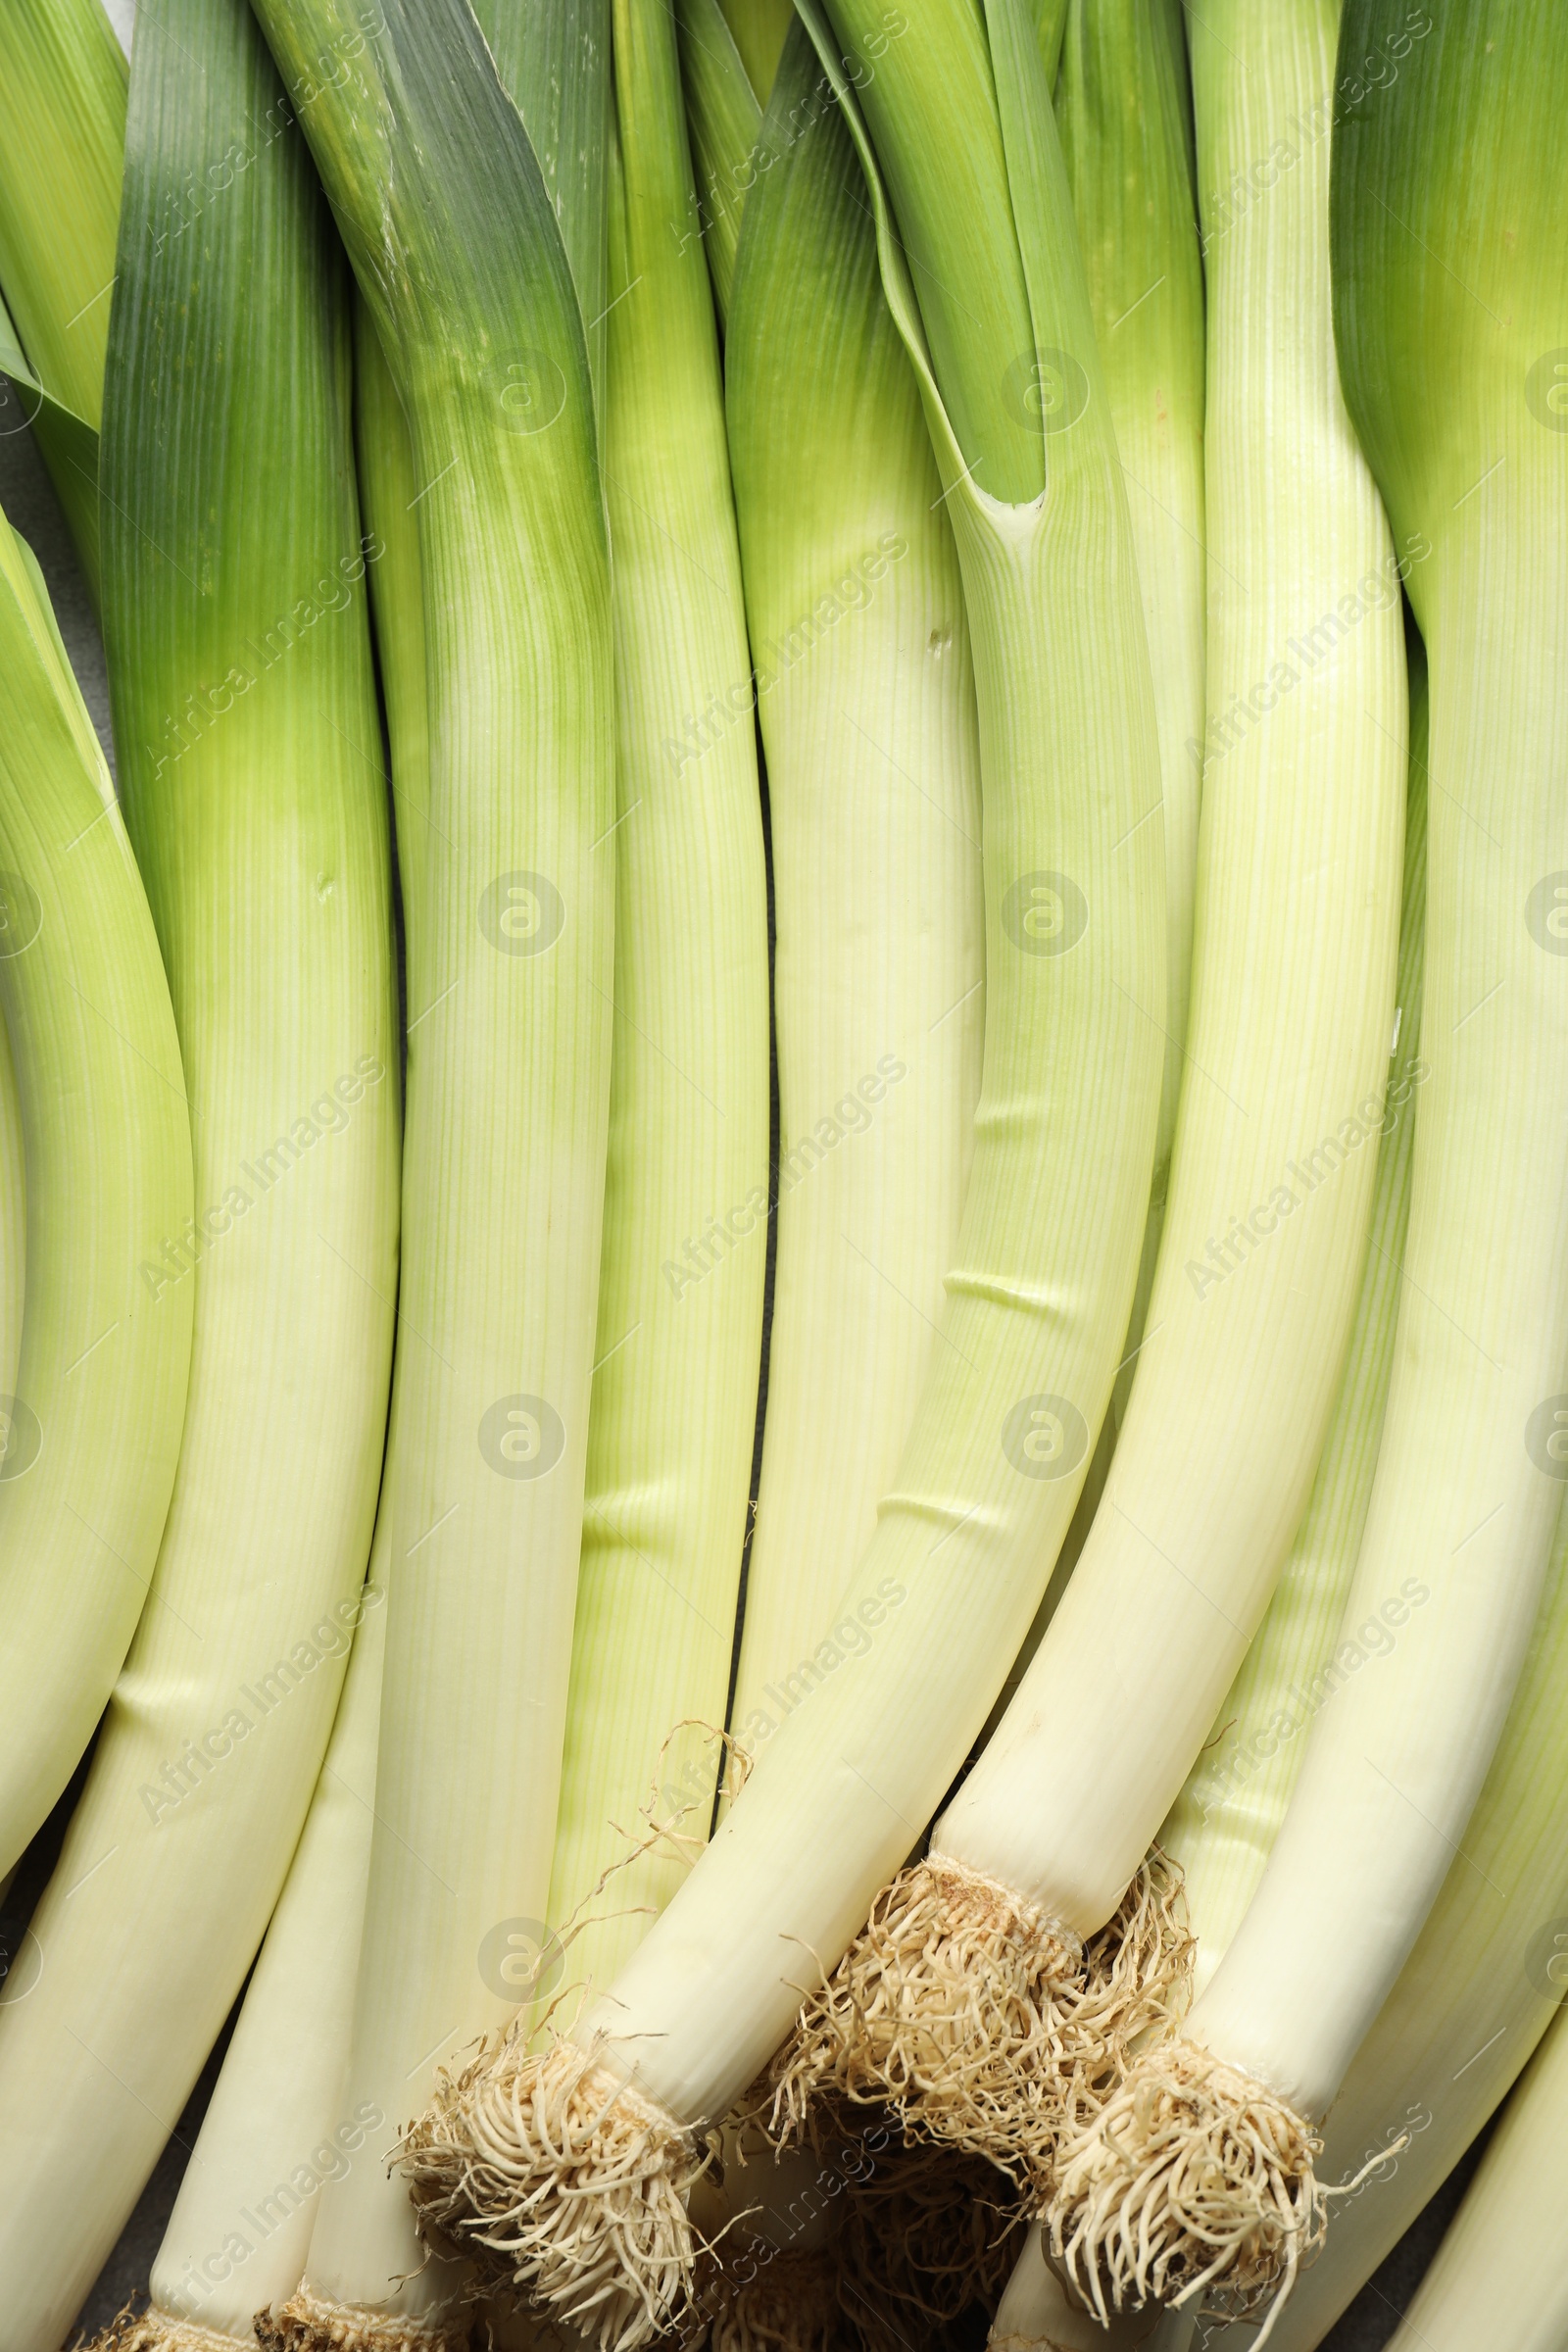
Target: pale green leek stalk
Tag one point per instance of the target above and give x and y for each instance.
(1499, 2275)
(1444, 176)
(1037, 1304)
(1036, 2314)
(276, 2127)
(246, 724)
(61, 148)
(1295, 939)
(865, 691)
(1123, 108)
(1223, 1826)
(91, 1416)
(456, 247)
(672, 1423)
(1480, 1986)
(724, 116)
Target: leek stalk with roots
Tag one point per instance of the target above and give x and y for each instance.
(1443, 180)
(673, 1416)
(276, 2126)
(1482, 1984)
(575, 2165)
(62, 150)
(963, 1997)
(1222, 1827)
(90, 1421)
(245, 718)
(865, 692)
(455, 243)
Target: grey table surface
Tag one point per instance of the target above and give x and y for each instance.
(29, 505)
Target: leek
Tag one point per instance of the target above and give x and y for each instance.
(1498, 2273)
(865, 693)
(966, 1998)
(1222, 1827)
(246, 724)
(673, 1417)
(276, 2127)
(724, 116)
(458, 257)
(574, 2166)
(1439, 179)
(62, 144)
(1480, 1986)
(1123, 108)
(90, 1423)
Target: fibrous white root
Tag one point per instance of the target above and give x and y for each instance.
(565, 2185)
(313, 2323)
(980, 2021)
(1192, 2182)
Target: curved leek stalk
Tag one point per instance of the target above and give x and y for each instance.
(1222, 1827)
(588, 2149)
(1480, 1986)
(246, 722)
(62, 146)
(672, 1427)
(455, 244)
(277, 2126)
(1499, 2273)
(91, 1427)
(865, 690)
(967, 1996)
(1446, 174)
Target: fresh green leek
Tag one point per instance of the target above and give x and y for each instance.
(1483, 1981)
(246, 726)
(61, 145)
(459, 256)
(574, 2166)
(966, 1997)
(1124, 111)
(672, 1422)
(1444, 176)
(865, 693)
(90, 1422)
(1222, 1827)
(277, 2126)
